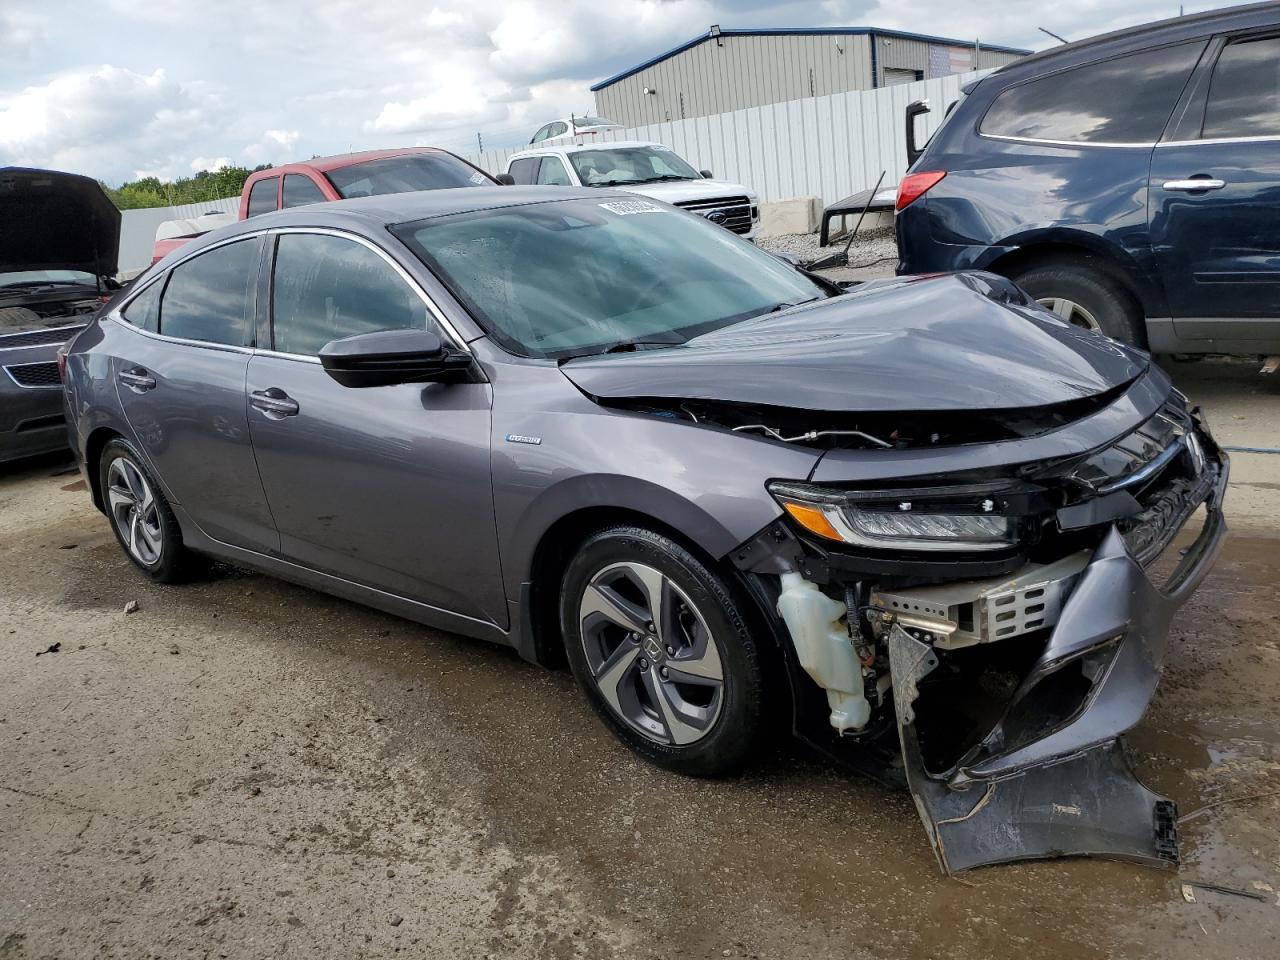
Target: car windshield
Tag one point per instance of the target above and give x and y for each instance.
(610, 167)
(577, 277)
(412, 171)
(31, 278)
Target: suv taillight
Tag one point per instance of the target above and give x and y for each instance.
(915, 185)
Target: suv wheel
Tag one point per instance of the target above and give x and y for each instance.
(1082, 294)
(662, 650)
(140, 516)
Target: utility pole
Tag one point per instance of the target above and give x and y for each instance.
(479, 142)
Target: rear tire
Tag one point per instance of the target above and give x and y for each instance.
(1082, 292)
(681, 687)
(141, 518)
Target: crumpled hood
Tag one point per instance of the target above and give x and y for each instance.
(945, 342)
(56, 221)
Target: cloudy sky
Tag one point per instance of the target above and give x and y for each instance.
(122, 88)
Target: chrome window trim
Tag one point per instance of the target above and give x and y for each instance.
(1069, 143)
(115, 316)
(458, 341)
(9, 368)
(1187, 143)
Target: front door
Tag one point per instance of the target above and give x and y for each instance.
(1215, 202)
(183, 391)
(388, 487)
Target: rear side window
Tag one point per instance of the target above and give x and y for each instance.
(300, 190)
(1244, 95)
(524, 171)
(208, 297)
(553, 172)
(262, 196)
(326, 288)
(1125, 100)
(143, 311)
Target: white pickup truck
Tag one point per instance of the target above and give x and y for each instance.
(649, 169)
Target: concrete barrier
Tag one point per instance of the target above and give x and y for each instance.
(780, 218)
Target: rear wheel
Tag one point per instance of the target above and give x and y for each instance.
(661, 648)
(141, 517)
(1082, 293)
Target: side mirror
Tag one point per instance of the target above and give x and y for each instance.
(707, 174)
(387, 357)
(506, 179)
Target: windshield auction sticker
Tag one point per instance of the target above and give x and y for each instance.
(625, 207)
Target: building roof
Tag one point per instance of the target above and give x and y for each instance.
(797, 32)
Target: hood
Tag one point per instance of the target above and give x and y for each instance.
(56, 221)
(951, 342)
(681, 191)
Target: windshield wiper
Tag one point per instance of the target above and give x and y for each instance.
(665, 176)
(671, 339)
(41, 284)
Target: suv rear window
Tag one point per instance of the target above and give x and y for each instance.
(1124, 100)
(1244, 96)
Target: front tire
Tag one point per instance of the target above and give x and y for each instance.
(661, 647)
(1083, 293)
(140, 516)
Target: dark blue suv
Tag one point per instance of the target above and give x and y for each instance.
(1130, 182)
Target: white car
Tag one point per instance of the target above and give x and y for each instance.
(570, 127)
(649, 169)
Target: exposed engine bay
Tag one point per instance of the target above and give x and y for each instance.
(1005, 624)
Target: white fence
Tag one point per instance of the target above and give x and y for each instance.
(138, 228)
(827, 147)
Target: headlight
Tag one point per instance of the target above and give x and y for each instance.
(955, 518)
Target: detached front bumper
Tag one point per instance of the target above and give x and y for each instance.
(1034, 789)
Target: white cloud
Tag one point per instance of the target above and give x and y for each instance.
(191, 82)
(212, 164)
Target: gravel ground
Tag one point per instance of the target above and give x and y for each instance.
(874, 252)
(242, 768)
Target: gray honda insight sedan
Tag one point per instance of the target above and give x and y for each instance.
(918, 520)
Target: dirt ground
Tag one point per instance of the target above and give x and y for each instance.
(243, 768)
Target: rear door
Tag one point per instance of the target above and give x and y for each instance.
(388, 487)
(181, 382)
(1215, 197)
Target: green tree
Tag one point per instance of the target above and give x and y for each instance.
(205, 185)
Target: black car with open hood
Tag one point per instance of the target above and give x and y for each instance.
(59, 249)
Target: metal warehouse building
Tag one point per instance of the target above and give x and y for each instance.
(726, 70)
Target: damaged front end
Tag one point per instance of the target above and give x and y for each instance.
(1010, 621)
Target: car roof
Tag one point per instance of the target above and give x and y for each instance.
(1146, 35)
(372, 215)
(340, 160)
(598, 145)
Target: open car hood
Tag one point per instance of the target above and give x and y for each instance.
(935, 343)
(56, 221)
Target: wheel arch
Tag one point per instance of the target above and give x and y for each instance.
(1057, 246)
(562, 517)
(94, 444)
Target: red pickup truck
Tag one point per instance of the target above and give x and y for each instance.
(345, 176)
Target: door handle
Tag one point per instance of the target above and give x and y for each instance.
(274, 403)
(137, 379)
(1194, 184)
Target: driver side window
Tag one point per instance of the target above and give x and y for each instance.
(325, 288)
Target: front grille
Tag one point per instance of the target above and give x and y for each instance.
(35, 374)
(732, 213)
(35, 338)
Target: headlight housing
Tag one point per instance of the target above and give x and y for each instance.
(968, 518)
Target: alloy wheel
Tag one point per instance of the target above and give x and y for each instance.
(1071, 312)
(135, 511)
(651, 654)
